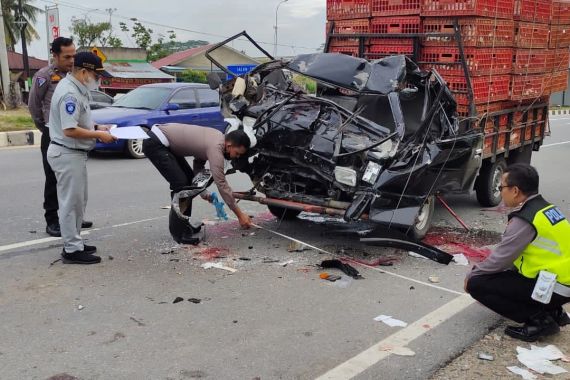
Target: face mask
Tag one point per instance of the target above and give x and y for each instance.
(92, 84)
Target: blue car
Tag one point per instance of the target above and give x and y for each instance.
(188, 103)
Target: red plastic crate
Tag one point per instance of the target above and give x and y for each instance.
(560, 12)
(475, 31)
(557, 81)
(395, 7)
(530, 35)
(348, 9)
(528, 86)
(538, 11)
(490, 8)
(480, 61)
(485, 89)
(490, 141)
(480, 109)
(532, 60)
(384, 25)
(348, 50)
(392, 41)
(357, 26)
(559, 59)
(559, 36)
(381, 51)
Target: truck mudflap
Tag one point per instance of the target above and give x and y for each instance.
(425, 250)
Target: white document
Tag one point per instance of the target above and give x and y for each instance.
(392, 322)
(526, 375)
(539, 359)
(129, 133)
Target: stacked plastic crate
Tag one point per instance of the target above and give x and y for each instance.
(349, 17)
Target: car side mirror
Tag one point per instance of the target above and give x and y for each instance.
(214, 81)
(171, 107)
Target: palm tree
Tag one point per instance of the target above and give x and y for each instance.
(11, 29)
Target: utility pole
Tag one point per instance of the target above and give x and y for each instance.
(21, 22)
(276, 26)
(4, 60)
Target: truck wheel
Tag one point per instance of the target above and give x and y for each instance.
(284, 213)
(488, 182)
(423, 221)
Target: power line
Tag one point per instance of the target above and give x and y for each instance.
(98, 11)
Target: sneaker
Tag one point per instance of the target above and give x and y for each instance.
(537, 326)
(79, 257)
(53, 230)
(86, 224)
(89, 249)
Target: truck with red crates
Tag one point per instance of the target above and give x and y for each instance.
(500, 58)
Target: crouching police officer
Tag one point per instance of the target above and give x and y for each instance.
(73, 134)
(527, 276)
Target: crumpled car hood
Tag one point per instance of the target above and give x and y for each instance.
(356, 74)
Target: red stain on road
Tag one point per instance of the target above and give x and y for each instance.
(211, 253)
(453, 242)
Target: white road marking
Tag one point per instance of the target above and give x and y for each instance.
(555, 144)
(29, 243)
(402, 338)
(367, 266)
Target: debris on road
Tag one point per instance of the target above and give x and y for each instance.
(194, 300)
(526, 375)
(218, 266)
(388, 320)
(269, 261)
(285, 263)
(343, 282)
(178, 299)
(434, 279)
(484, 356)
(539, 359)
(345, 268)
(295, 246)
(80, 307)
(460, 259)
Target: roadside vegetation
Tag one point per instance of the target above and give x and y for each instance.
(16, 120)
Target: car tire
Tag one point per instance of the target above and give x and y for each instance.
(423, 220)
(133, 148)
(488, 181)
(284, 213)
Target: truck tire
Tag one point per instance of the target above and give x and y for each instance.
(284, 213)
(423, 221)
(488, 181)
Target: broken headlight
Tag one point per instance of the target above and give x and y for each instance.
(383, 150)
(346, 176)
(372, 172)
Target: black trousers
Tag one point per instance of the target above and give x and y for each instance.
(508, 293)
(173, 168)
(50, 188)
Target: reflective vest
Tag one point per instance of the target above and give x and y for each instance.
(550, 249)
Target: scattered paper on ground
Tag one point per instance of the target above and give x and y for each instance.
(392, 322)
(539, 359)
(526, 375)
(460, 259)
(218, 266)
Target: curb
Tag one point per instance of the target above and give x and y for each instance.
(20, 138)
(559, 112)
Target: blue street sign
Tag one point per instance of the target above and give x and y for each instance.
(239, 70)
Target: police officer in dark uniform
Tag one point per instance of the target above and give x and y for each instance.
(43, 86)
(527, 276)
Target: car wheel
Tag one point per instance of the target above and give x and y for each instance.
(135, 148)
(284, 213)
(488, 182)
(423, 221)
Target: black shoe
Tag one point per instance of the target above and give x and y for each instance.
(53, 230)
(86, 224)
(79, 257)
(538, 326)
(560, 316)
(89, 249)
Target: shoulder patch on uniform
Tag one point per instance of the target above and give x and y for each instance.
(55, 78)
(70, 106)
(41, 81)
(554, 215)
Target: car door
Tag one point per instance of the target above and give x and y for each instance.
(209, 103)
(188, 112)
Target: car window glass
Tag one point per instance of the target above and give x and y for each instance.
(186, 99)
(101, 97)
(208, 98)
(144, 97)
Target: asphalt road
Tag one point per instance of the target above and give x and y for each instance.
(266, 321)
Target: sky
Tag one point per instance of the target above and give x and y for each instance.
(301, 23)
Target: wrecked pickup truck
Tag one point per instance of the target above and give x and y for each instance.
(377, 141)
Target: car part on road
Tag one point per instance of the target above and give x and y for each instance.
(430, 252)
(345, 268)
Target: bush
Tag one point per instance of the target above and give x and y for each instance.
(193, 76)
